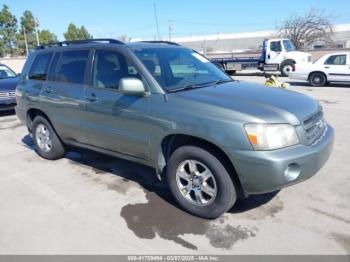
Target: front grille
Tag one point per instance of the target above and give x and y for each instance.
(314, 127)
(5, 95)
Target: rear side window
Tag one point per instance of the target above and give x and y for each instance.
(39, 68)
(336, 60)
(71, 67)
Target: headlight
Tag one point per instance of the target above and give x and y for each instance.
(271, 136)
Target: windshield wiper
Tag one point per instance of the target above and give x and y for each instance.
(190, 86)
(194, 86)
(222, 81)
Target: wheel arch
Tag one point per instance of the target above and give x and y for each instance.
(287, 61)
(319, 72)
(173, 141)
(34, 112)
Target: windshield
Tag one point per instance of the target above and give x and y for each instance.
(6, 72)
(288, 45)
(175, 68)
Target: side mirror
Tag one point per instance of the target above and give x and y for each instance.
(132, 86)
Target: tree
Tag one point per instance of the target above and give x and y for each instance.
(83, 33)
(75, 33)
(28, 22)
(27, 27)
(46, 37)
(8, 29)
(306, 29)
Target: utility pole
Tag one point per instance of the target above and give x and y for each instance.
(170, 27)
(25, 40)
(36, 22)
(156, 18)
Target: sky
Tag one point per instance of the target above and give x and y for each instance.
(136, 18)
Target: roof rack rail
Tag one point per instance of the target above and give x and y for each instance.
(161, 42)
(85, 41)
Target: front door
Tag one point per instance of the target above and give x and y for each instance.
(274, 53)
(337, 68)
(117, 122)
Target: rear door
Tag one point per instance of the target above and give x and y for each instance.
(337, 68)
(63, 94)
(117, 122)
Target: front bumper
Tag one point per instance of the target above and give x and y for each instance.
(298, 76)
(8, 104)
(264, 171)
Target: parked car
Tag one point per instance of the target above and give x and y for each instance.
(329, 68)
(8, 82)
(212, 138)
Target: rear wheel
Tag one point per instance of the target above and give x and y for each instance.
(47, 143)
(317, 79)
(200, 183)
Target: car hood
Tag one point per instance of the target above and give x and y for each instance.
(8, 83)
(262, 103)
(298, 56)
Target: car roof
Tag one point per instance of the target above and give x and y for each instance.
(94, 43)
(152, 44)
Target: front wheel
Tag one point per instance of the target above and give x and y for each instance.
(286, 68)
(200, 183)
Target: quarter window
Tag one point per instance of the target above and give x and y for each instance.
(71, 67)
(40, 66)
(336, 60)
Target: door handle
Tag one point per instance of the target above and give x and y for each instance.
(48, 89)
(327, 67)
(91, 97)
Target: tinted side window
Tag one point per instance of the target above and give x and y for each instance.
(71, 67)
(276, 46)
(336, 60)
(110, 67)
(40, 66)
(53, 66)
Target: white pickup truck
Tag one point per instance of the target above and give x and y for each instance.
(276, 55)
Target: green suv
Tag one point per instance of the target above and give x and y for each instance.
(212, 138)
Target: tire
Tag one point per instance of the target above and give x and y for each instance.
(212, 205)
(317, 79)
(286, 68)
(47, 144)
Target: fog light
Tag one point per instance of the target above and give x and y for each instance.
(292, 172)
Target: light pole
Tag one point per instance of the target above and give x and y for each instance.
(25, 40)
(36, 22)
(170, 27)
(156, 18)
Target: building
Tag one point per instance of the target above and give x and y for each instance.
(242, 42)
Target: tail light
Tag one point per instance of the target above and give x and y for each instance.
(18, 94)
